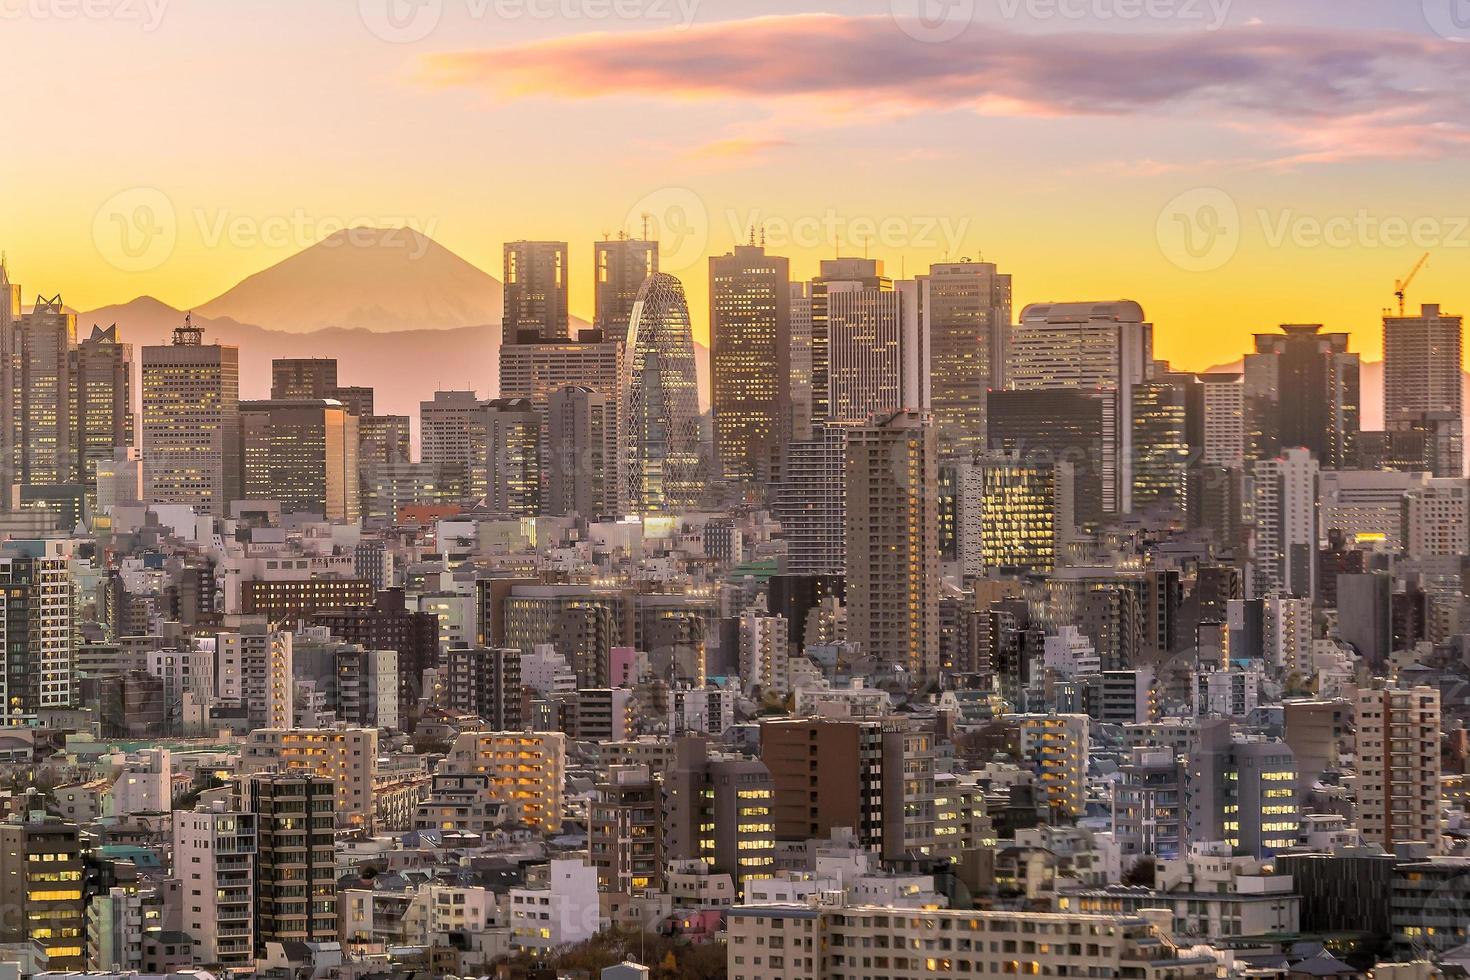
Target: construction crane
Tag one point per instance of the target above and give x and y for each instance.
(1402, 286)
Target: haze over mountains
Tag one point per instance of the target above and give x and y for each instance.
(378, 279)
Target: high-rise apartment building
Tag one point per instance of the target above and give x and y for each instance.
(662, 460)
(750, 360)
(811, 503)
(802, 384)
(214, 858)
(892, 521)
(535, 293)
(486, 683)
(1398, 784)
(1099, 347)
(191, 422)
(301, 378)
(1285, 546)
(621, 266)
(36, 637)
(582, 452)
(1301, 389)
(44, 338)
(966, 308)
(295, 857)
(302, 453)
(1422, 374)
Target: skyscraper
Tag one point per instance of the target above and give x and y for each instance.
(1421, 375)
(892, 523)
(1165, 427)
(451, 435)
(750, 359)
(1104, 347)
(10, 311)
(303, 377)
(967, 318)
(513, 477)
(801, 384)
(622, 265)
(1024, 513)
(1285, 547)
(581, 475)
(191, 422)
(1222, 422)
(1063, 425)
(661, 460)
(102, 401)
(811, 503)
(868, 353)
(535, 292)
(44, 338)
(303, 453)
(1301, 389)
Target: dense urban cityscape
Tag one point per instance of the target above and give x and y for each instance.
(950, 640)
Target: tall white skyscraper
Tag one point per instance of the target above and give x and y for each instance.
(1106, 347)
(1287, 526)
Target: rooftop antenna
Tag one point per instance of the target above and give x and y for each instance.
(763, 236)
(646, 219)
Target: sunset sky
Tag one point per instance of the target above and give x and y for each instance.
(1230, 165)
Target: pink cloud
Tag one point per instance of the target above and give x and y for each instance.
(1328, 94)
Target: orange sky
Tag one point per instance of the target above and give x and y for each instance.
(1284, 165)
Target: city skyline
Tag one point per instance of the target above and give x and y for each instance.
(1335, 190)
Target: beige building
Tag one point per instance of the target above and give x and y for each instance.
(1398, 781)
(1057, 747)
(892, 531)
(799, 942)
(191, 422)
(347, 756)
(525, 770)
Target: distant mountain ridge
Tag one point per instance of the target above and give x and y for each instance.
(381, 280)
